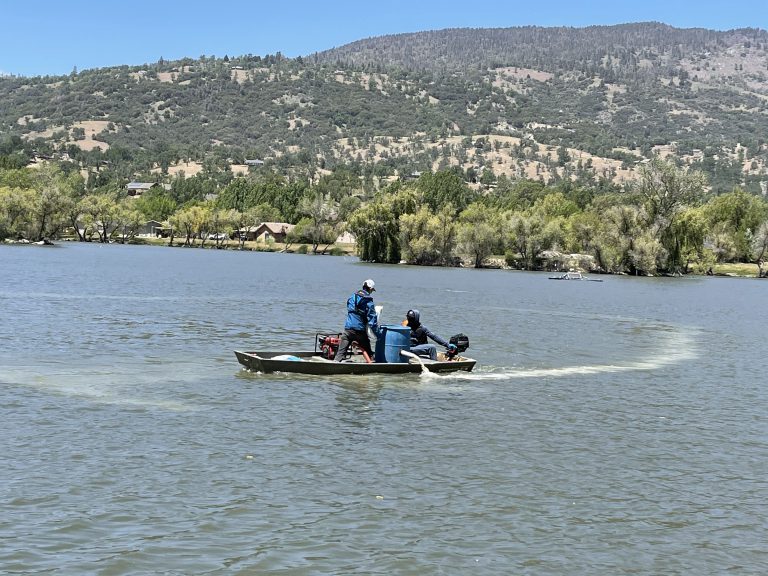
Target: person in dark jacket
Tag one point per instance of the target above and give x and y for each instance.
(361, 313)
(419, 335)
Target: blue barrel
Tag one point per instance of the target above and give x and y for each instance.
(390, 342)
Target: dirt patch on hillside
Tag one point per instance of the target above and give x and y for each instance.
(511, 156)
(511, 76)
(24, 120)
(525, 73)
(239, 76)
(89, 145)
(46, 134)
(90, 128)
(189, 169)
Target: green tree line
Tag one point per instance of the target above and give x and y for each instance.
(666, 222)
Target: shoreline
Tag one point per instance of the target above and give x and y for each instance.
(725, 270)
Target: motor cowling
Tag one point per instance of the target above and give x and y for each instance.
(461, 341)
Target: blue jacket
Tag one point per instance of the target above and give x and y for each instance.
(361, 311)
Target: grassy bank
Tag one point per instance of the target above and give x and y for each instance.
(335, 250)
(737, 269)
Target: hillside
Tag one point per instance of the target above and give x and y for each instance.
(583, 104)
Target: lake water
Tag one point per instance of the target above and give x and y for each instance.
(610, 428)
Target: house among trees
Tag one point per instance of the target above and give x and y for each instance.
(138, 188)
(38, 157)
(276, 231)
(150, 228)
(254, 162)
(346, 238)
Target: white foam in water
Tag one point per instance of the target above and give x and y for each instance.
(424, 370)
(103, 386)
(677, 347)
(94, 385)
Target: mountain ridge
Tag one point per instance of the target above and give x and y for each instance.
(530, 102)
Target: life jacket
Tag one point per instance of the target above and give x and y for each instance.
(357, 310)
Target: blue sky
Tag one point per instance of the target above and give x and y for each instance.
(54, 37)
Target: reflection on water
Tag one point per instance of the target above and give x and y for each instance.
(609, 428)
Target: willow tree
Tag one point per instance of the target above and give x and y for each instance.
(186, 222)
(667, 191)
(479, 232)
(685, 240)
(15, 212)
(202, 220)
(320, 226)
(581, 232)
(646, 255)
(523, 232)
(128, 219)
(737, 215)
(614, 244)
(759, 248)
(376, 226)
(377, 233)
(52, 188)
(100, 211)
(428, 238)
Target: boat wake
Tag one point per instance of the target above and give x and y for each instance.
(677, 347)
(92, 386)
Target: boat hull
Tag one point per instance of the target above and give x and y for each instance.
(314, 363)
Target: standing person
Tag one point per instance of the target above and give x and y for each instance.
(419, 335)
(361, 313)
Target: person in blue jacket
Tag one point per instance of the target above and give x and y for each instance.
(419, 335)
(361, 313)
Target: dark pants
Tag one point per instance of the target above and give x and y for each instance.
(360, 337)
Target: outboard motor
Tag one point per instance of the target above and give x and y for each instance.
(461, 341)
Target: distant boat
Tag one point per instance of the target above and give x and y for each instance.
(573, 275)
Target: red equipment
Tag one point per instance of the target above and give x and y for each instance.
(329, 345)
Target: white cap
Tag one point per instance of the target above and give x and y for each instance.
(369, 284)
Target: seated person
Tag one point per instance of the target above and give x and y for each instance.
(419, 335)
